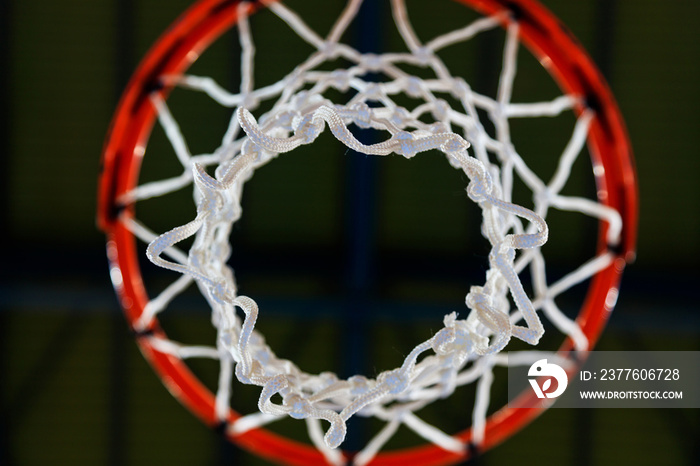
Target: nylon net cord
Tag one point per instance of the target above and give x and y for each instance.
(464, 350)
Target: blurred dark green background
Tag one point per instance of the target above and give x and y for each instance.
(75, 390)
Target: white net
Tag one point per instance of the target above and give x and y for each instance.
(465, 350)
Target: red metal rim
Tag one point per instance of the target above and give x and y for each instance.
(179, 47)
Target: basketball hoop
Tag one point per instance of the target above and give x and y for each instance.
(450, 118)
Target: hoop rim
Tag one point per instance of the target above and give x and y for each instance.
(545, 37)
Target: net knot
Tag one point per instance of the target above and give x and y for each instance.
(362, 114)
(273, 386)
(442, 339)
(454, 144)
(544, 196)
(423, 54)
(479, 188)
(440, 110)
(219, 291)
(329, 49)
(246, 371)
(466, 341)
(299, 407)
(286, 119)
(250, 101)
(407, 146)
(461, 88)
(359, 385)
(372, 62)
(308, 128)
(373, 91)
(495, 320)
(457, 340)
(396, 381)
(502, 256)
(414, 86)
(341, 79)
(439, 127)
(328, 379)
